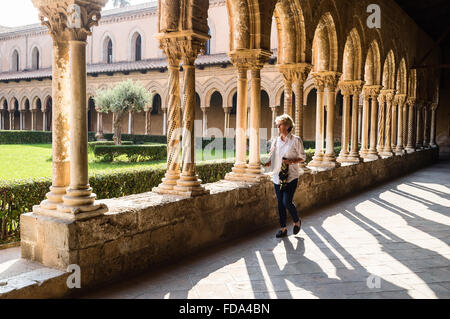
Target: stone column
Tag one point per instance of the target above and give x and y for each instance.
(274, 132)
(1, 120)
(188, 184)
(173, 55)
(381, 122)
(204, 121)
(130, 122)
(410, 102)
(388, 98)
(33, 119)
(148, 114)
(288, 95)
(353, 157)
(365, 124)
(319, 84)
(240, 166)
(44, 120)
(226, 126)
(400, 101)
(329, 159)
(165, 118)
(426, 126)
(419, 132)
(346, 91)
(373, 153)
(394, 123)
(255, 171)
(99, 133)
(11, 120)
(405, 124)
(21, 116)
(79, 201)
(433, 125)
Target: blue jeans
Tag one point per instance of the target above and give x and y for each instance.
(284, 198)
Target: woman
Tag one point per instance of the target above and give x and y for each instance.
(285, 154)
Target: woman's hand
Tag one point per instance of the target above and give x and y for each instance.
(268, 164)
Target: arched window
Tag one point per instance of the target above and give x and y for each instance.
(138, 48)
(35, 59)
(156, 104)
(15, 61)
(208, 43)
(109, 57)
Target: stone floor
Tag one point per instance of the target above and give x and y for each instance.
(395, 236)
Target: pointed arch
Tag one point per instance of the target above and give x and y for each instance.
(352, 57)
(325, 45)
(402, 76)
(372, 69)
(389, 71)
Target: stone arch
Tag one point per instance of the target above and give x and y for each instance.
(14, 104)
(402, 76)
(352, 57)
(389, 71)
(156, 88)
(45, 101)
(132, 38)
(23, 101)
(290, 24)
(250, 23)
(325, 45)
(213, 84)
(372, 69)
(278, 95)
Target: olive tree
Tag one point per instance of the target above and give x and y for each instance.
(124, 97)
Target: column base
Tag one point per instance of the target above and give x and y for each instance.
(255, 173)
(54, 197)
(80, 204)
(168, 182)
(386, 154)
(99, 136)
(342, 158)
(433, 145)
(371, 156)
(400, 151)
(410, 150)
(189, 186)
(353, 159)
(237, 174)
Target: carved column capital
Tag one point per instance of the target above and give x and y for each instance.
(434, 106)
(249, 59)
(69, 19)
(388, 95)
(295, 72)
(400, 99)
(319, 82)
(346, 88)
(411, 101)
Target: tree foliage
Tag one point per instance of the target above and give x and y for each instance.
(125, 97)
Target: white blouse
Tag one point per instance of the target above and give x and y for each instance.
(291, 148)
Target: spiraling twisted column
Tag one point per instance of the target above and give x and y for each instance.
(400, 101)
(188, 183)
(426, 126)
(173, 120)
(373, 153)
(387, 149)
(365, 124)
(410, 102)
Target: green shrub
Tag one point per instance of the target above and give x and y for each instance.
(134, 153)
(139, 139)
(19, 196)
(92, 145)
(31, 137)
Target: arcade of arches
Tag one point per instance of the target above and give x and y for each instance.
(325, 54)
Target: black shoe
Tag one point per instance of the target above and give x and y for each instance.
(281, 233)
(297, 228)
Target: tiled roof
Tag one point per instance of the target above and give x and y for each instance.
(144, 65)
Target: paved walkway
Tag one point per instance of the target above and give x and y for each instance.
(397, 235)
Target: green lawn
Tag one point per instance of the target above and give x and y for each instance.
(29, 161)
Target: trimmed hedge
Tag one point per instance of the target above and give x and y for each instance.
(139, 139)
(92, 145)
(31, 137)
(19, 197)
(134, 153)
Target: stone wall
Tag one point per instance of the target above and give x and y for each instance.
(145, 230)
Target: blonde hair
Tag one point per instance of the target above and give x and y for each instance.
(287, 120)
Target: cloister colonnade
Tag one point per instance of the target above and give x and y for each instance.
(320, 42)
